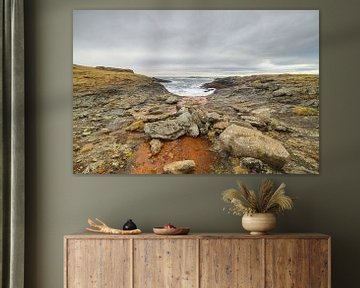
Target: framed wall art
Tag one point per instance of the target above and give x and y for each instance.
(195, 92)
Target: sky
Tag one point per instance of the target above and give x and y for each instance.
(198, 42)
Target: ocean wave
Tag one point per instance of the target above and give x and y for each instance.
(188, 86)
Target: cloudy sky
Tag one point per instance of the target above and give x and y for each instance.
(198, 42)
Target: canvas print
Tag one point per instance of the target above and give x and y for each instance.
(195, 92)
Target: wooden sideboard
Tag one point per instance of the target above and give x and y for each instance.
(197, 260)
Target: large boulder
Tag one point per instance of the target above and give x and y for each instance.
(172, 100)
(180, 167)
(245, 142)
(168, 130)
(200, 119)
(193, 130)
(220, 83)
(213, 117)
(263, 114)
(171, 129)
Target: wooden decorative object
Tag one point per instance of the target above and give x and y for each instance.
(197, 261)
(101, 227)
(171, 231)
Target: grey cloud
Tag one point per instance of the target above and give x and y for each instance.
(166, 42)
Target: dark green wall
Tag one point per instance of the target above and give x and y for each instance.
(59, 202)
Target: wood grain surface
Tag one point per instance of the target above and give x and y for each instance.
(287, 263)
(89, 235)
(231, 263)
(98, 263)
(320, 263)
(197, 260)
(165, 263)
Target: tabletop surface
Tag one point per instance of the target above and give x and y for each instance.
(90, 235)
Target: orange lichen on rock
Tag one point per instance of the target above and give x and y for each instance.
(185, 148)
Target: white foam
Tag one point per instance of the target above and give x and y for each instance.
(188, 86)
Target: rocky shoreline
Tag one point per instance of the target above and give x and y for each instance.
(251, 124)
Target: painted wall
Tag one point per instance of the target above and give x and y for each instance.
(59, 203)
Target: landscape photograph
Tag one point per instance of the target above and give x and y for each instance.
(196, 92)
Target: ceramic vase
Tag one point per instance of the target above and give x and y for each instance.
(259, 223)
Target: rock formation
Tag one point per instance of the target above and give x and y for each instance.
(180, 167)
(245, 142)
(251, 124)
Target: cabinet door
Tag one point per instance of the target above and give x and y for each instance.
(231, 263)
(287, 263)
(166, 263)
(98, 263)
(320, 263)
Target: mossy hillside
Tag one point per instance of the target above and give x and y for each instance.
(87, 80)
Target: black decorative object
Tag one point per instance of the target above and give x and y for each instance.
(129, 225)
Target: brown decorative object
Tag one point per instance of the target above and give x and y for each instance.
(197, 260)
(101, 227)
(171, 231)
(259, 223)
(258, 209)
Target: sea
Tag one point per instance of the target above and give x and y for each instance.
(188, 86)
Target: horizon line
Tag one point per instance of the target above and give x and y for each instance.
(207, 74)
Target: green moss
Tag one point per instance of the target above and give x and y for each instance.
(87, 78)
(305, 111)
(220, 171)
(274, 122)
(128, 154)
